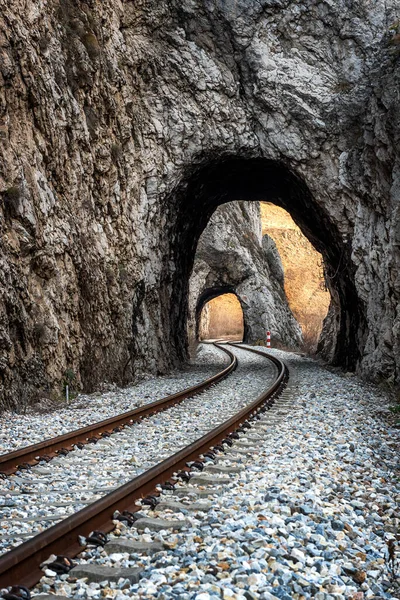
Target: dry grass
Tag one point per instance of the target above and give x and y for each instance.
(311, 326)
(222, 317)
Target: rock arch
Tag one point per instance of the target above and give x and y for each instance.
(215, 181)
(233, 255)
(211, 293)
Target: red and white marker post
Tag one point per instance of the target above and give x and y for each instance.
(268, 339)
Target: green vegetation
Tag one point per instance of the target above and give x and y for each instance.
(69, 380)
(69, 377)
(395, 409)
(89, 40)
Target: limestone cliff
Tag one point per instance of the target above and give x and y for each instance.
(123, 125)
(233, 256)
(304, 278)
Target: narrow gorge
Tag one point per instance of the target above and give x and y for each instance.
(233, 257)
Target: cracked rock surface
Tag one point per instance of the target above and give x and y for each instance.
(233, 256)
(123, 125)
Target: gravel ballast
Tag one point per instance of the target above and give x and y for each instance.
(309, 515)
(36, 498)
(18, 430)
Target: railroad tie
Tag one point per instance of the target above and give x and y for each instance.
(176, 506)
(222, 469)
(249, 445)
(49, 597)
(187, 491)
(156, 524)
(237, 457)
(98, 573)
(263, 424)
(235, 453)
(121, 546)
(209, 480)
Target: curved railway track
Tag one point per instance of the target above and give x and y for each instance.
(31, 455)
(21, 566)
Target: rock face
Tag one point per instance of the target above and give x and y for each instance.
(304, 278)
(233, 257)
(124, 124)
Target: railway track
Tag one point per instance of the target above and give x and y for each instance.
(42, 494)
(31, 455)
(22, 564)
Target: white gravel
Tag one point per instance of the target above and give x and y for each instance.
(36, 498)
(309, 516)
(18, 430)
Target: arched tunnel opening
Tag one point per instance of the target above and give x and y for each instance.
(219, 180)
(219, 314)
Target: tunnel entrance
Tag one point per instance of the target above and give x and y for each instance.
(218, 180)
(221, 317)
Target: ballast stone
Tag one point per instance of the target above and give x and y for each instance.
(243, 539)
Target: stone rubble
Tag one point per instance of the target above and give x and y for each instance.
(36, 498)
(308, 516)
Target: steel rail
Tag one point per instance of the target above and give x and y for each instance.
(21, 566)
(242, 346)
(28, 455)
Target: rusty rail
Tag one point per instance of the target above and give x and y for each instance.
(22, 564)
(10, 462)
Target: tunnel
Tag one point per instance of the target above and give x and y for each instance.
(228, 328)
(218, 180)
